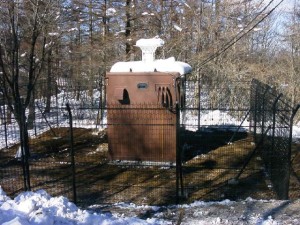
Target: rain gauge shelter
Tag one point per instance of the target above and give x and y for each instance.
(141, 100)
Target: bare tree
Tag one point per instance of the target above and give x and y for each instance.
(290, 82)
(23, 37)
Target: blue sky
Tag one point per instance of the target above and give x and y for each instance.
(285, 6)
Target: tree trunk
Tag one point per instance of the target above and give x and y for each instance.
(128, 30)
(31, 114)
(49, 81)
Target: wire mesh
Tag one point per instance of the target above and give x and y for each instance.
(129, 153)
(272, 109)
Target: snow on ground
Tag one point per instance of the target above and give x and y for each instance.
(210, 118)
(39, 208)
(296, 131)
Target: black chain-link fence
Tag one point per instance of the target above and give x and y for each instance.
(208, 149)
(273, 114)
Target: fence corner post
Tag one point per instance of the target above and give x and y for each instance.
(179, 175)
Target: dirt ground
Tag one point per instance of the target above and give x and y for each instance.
(207, 173)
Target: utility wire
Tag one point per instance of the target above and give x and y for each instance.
(236, 38)
(242, 33)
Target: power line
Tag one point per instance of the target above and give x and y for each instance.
(242, 33)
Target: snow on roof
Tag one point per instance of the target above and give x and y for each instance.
(160, 65)
(148, 63)
(156, 41)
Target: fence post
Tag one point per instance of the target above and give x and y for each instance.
(56, 99)
(5, 125)
(72, 154)
(264, 110)
(100, 106)
(179, 176)
(199, 102)
(255, 113)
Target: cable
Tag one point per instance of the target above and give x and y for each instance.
(234, 39)
(237, 38)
